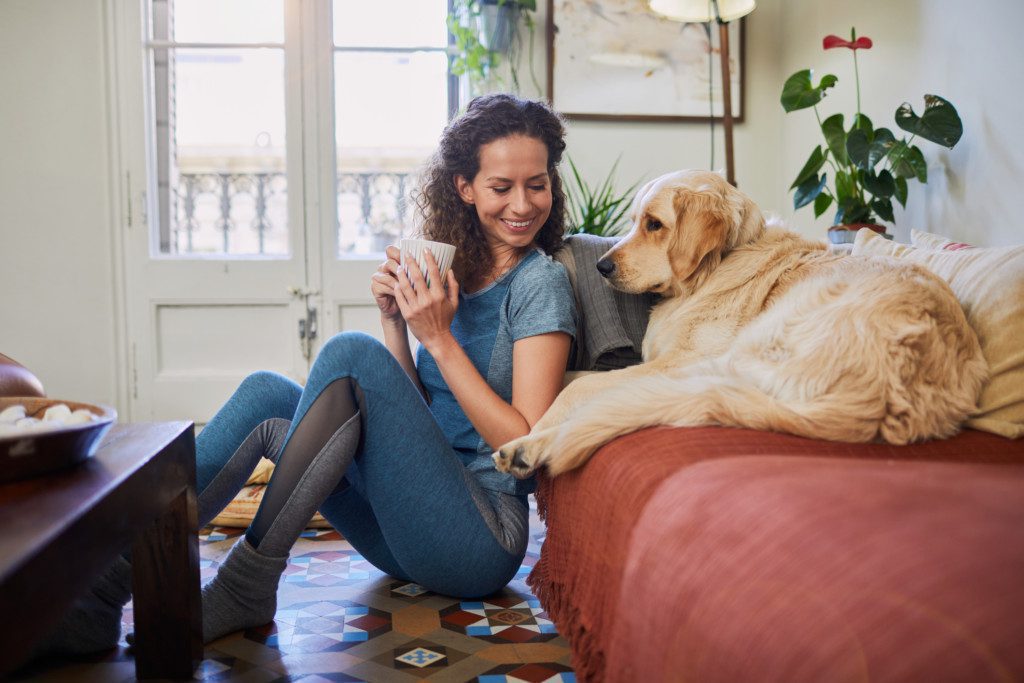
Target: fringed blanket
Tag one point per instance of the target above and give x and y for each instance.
(601, 550)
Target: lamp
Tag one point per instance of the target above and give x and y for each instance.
(704, 11)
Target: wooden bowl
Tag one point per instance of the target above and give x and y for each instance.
(35, 453)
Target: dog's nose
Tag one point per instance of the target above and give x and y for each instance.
(606, 267)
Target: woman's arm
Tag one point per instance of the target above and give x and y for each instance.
(538, 365)
(396, 333)
(538, 362)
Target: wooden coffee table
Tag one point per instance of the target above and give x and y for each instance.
(59, 532)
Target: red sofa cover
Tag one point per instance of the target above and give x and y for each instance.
(674, 555)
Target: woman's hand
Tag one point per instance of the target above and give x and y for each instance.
(427, 311)
(383, 285)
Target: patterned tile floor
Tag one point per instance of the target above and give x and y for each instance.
(340, 619)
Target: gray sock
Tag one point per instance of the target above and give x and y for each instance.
(244, 592)
(93, 623)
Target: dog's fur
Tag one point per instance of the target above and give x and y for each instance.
(760, 328)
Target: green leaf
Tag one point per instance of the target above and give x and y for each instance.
(882, 141)
(809, 190)
(799, 93)
(898, 160)
(835, 136)
(596, 210)
(811, 168)
(939, 123)
(908, 162)
(852, 210)
(865, 149)
(883, 207)
(863, 122)
(917, 162)
(858, 146)
(821, 203)
(901, 191)
(844, 186)
(882, 185)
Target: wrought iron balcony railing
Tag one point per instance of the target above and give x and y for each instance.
(246, 214)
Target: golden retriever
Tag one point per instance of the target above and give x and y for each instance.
(760, 328)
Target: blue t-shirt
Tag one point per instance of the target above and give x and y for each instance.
(533, 298)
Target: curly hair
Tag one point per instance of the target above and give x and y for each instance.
(446, 218)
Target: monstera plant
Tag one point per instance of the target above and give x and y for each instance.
(860, 169)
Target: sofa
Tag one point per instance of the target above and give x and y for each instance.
(717, 554)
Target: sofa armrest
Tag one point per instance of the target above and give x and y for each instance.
(16, 380)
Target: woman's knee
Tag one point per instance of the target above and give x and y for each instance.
(350, 351)
(275, 391)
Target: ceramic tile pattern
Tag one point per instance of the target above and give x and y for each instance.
(340, 619)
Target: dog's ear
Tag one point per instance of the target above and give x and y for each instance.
(704, 224)
(751, 223)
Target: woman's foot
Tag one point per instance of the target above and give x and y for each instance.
(93, 623)
(243, 594)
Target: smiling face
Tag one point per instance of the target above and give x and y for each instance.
(511, 192)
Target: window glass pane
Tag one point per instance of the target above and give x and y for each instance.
(402, 23)
(389, 113)
(227, 156)
(228, 21)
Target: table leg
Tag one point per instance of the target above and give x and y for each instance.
(167, 607)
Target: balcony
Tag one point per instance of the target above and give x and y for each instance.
(246, 214)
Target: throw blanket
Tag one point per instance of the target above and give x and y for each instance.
(611, 583)
(612, 323)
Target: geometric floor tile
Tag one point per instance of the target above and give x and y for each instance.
(528, 673)
(505, 619)
(327, 568)
(419, 658)
(408, 590)
(219, 533)
(341, 619)
(321, 626)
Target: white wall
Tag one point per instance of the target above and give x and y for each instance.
(56, 282)
(57, 214)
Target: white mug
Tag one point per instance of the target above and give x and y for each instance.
(443, 253)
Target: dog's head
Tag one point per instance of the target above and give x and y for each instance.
(683, 223)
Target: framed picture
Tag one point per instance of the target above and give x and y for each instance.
(616, 60)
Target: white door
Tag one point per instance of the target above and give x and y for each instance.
(250, 234)
(383, 69)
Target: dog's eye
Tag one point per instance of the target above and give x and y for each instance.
(653, 225)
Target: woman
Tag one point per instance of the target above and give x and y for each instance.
(396, 454)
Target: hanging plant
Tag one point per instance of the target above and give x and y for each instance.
(486, 33)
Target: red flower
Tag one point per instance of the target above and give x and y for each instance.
(830, 42)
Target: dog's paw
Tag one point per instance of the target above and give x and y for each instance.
(519, 457)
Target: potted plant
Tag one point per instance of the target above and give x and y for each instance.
(870, 166)
(596, 210)
(487, 33)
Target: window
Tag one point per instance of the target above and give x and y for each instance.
(224, 79)
(392, 97)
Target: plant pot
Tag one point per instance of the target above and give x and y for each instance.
(846, 234)
(497, 24)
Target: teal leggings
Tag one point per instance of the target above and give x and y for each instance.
(407, 503)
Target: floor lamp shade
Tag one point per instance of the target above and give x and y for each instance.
(702, 10)
(721, 11)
